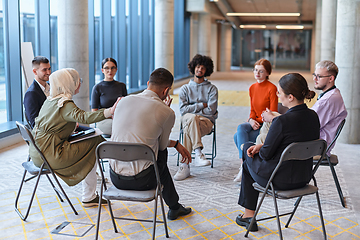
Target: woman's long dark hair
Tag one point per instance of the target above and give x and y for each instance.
(295, 84)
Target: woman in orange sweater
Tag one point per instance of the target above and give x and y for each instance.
(262, 96)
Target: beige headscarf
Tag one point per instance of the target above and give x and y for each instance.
(63, 84)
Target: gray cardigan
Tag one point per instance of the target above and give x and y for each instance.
(193, 95)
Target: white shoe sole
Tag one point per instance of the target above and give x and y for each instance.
(203, 163)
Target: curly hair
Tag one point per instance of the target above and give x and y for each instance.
(201, 60)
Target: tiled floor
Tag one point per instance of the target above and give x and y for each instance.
(210, 192)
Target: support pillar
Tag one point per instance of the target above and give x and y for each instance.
(73, 45)
(164, 34)
(318, 32)
(204, 37)
(225, 48)
(347, 58)
(328, 30)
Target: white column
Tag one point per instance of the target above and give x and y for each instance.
(318, 31)
(204, 31)
(164, 34)
(225, 47)
(73, 44)
(194, 26)
(347, 58)
(328, 30)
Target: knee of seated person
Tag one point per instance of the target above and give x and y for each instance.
(243, 127)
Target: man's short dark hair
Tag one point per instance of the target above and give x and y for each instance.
(206, 61)
(39, 59)
(161, 77)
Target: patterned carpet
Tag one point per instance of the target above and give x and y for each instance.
(210, 192)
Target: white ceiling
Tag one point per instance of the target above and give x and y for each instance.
(307, 9)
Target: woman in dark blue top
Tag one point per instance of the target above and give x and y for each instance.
(298, 124)
(106, 92)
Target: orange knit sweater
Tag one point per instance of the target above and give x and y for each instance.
(262, 96)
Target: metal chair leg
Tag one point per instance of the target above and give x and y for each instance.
(53, 186)
(31, 199)
(321, 215)
(164, 215)
(337, 184)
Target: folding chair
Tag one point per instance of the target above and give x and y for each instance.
(295, 151)
(210, 156)
(332, 161)
(129, 152)
(45, 169)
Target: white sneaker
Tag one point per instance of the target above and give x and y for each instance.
(182, 173)
(239, 175)
(201, 161)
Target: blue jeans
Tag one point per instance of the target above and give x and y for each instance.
(245, 133)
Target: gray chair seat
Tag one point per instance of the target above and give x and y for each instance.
(307, 190)
(114, 193)
(34, 170)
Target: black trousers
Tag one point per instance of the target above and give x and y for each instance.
(146, 180)
(248, 195)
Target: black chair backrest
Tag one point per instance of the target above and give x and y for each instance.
(25, 133)
(302, 151)
(28, 137)
(126, 152)
(123, 151)
(338, 131)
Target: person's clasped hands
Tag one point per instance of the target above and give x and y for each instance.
(254, 149)
(267, 115)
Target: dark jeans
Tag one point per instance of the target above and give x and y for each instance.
(146, 180)
(248, 195)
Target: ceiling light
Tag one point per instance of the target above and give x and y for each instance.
(252, 26)
(264, 14)
(289, 27)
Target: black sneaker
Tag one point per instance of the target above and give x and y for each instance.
(245, 222)
(94, 202)
(182, 211)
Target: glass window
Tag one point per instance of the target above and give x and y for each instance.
(27, 21)
(285, 49)
(54, 61)
(3, 114)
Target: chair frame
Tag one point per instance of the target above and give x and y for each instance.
(129, 152)
(45, 169)
(295, 151)
(326, 161)
(210, 156)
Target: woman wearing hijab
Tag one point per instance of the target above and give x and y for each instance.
(56, 122)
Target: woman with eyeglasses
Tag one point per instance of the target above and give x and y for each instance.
(72, 162)
(262, 96)
(105, 93)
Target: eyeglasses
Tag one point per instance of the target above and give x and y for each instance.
(112, 68)
(319, 77)
(81, 81)
(259, 71)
